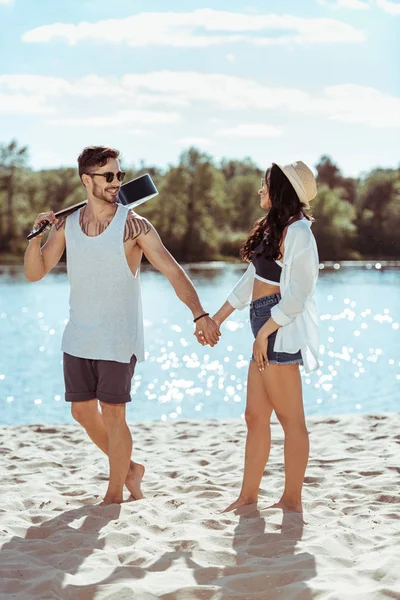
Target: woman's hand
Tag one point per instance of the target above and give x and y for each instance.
(217, 321)
(260, 351)
(207, 331)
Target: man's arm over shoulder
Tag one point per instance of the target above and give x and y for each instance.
(38, 261)
(54, 247)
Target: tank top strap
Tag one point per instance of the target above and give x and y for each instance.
(120, 216)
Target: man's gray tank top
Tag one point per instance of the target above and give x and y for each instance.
(105, 316)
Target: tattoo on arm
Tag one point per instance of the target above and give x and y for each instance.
(134, 226)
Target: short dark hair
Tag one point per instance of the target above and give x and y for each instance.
(95, 156)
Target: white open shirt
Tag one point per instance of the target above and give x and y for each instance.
(296, 312)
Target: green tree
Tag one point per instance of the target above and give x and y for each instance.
(191, 211)
(167, 212)
(205, 211)
(378, 199)
(391, 226)
(334, 227)
(234, 168)
(12, 158)
(329, 174)
(243, 202)
(204, 205)
(60, 187)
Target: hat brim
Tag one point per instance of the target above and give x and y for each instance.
(295, 184)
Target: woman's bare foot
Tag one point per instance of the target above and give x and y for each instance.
(288, 506)
(134, 480)
(241, 501)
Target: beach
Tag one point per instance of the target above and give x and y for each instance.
(176, 543)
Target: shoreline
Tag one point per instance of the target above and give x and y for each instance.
(368, 264)
(315, 419)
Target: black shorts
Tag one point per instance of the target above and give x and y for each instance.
(107, 380)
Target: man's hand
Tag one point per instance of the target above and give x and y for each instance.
(207, 331)
(48, 217)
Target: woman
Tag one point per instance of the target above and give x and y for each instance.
(280, 280)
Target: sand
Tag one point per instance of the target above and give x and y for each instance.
(175, 544)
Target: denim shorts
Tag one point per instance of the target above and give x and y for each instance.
(260, 312)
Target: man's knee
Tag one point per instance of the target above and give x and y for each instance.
(83, 411)
(113, 414)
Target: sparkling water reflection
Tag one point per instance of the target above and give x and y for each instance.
(360, 359)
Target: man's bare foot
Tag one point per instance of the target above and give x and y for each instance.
(108, 499)
(288, 506)
(134, 480)
(241, 501)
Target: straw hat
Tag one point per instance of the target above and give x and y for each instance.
(302, 179)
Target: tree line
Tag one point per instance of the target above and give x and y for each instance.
(205, 209)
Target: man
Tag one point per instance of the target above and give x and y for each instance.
(103, 339)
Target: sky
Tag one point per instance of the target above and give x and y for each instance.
(273, 80)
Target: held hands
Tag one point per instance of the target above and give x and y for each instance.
(260, 351)
(207, 331)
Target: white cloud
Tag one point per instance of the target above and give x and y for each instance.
(193, 141)
(357, 4)
(185, 88)
(36, 94)
(140, 132)
(392, 8)
(23, 104)
(386, 5)
(353, 4)
(130, 100)
(6, 2)
(250, 130)
(230, 58)
(360, 104)
(200, 28)
(122, 117)
(36, 84)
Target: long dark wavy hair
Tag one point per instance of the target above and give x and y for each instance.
(285, 204)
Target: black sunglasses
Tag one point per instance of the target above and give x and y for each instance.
(109, 176)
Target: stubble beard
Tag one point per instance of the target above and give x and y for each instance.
(100, 194)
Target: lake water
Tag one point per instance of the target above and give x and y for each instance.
(360, 351)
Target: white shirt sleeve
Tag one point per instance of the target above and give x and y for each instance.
(241, 294)
(302, 279)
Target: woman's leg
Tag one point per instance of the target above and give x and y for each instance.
(283, 386)
(258, 442)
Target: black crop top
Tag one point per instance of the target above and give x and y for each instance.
(267, 269)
